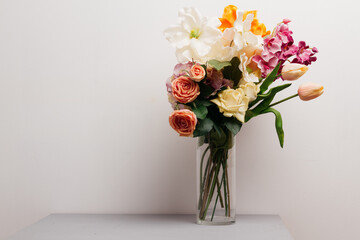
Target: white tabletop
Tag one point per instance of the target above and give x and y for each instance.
(159, 227)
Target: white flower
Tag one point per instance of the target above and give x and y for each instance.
(243, 36)
(223, 49)
(194, 36)
(251, 90)
(246, 76)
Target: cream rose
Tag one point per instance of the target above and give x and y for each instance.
(233, 102)
(251, 90)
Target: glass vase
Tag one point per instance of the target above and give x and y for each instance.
(216, 196)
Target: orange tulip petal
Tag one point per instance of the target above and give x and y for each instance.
(228, 17)
(256, 27)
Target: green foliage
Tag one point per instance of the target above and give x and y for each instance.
(205, 103)
(233, 125)
(200, 111)
(267, 98)
(218, 65)
(203, 127)
(218, 136)
(205, 90)
(278, 124)
(233, 72)
(269, 79)
(274, 90)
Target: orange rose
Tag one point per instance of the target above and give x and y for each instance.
(183, 122)
(184, 89)
(197, 72)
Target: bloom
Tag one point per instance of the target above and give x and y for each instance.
(243, 36)
(308, 91)
(216, 79)
(183, 121)
(250, 90)
(305, 55)
(182, 69)
(277, 47)
(184, 89)
(250, 72)
(256, 27)
(197, 73)
(293, 71)
(228, 17)
(232, 102)
(194, 35)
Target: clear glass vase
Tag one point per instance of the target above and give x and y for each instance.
(215, 161)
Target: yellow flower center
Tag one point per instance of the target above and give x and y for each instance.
(195, 33)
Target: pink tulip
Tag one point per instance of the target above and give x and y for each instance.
(293, 71)
(308, 91)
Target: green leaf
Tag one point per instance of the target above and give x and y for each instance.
(270, 93)
(274, 90)
(205, 90)
(233, 125)
(249, 115)
(219, 65)
(203, 127)
(278, 124)
(205, 103)
(268, 97)
(269, 79)
(200, 111)
(218, 136)
(233, 72)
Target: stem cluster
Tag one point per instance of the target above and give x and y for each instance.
(214, 178)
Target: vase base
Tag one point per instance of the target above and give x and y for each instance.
(217, 220)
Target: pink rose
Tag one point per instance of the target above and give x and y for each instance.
(183, 121)
(184, 89)
(197, 72)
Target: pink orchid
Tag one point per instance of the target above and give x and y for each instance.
(305, 55)
(286, 20)
(288, 51)
(284, 34)
(271, 47)
(266, 67)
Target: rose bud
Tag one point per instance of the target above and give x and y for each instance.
(308, 91)
(293, 71)
(184, 89)
(183, 122)
(197, 72)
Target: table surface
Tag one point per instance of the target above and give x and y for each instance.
(160, 227)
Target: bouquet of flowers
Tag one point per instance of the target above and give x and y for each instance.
(223, 78)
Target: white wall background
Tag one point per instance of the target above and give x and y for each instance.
(84, 117)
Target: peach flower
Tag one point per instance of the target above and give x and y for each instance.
(293, 71)
(197, 73)
(183, 122)
(308, 91)
(184, 89)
